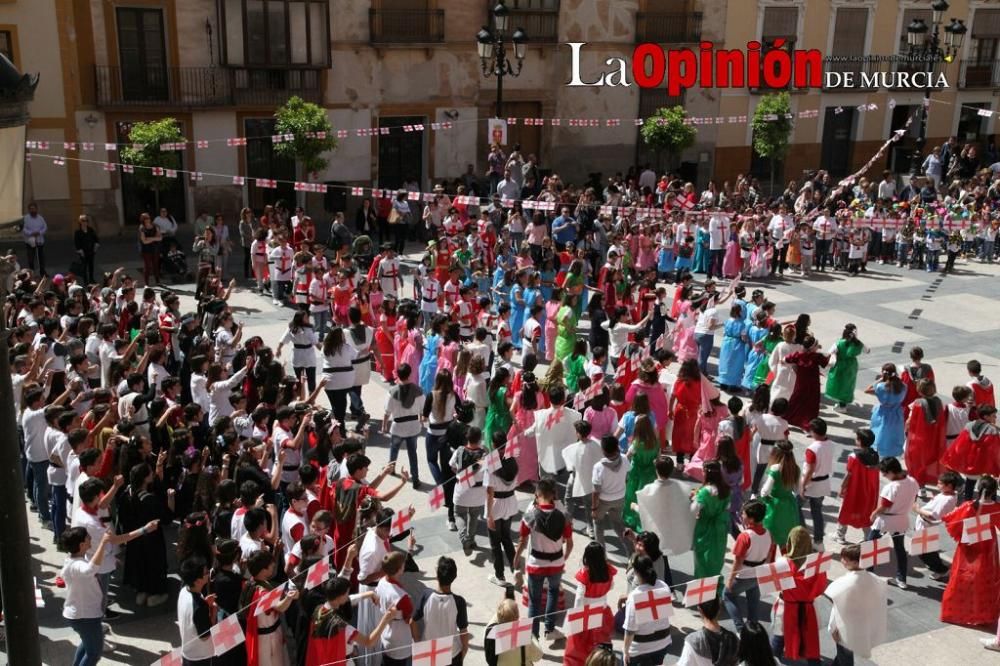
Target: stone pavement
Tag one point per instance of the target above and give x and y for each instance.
(894, 308)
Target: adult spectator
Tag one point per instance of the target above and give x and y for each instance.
(564, 229)
(34, 230)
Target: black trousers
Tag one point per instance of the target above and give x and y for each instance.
(779, 260)
(36, 253)
(501, 545)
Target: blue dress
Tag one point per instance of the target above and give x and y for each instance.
(516, 314)
(887, 421)
(701, 239)
(754, 357)
(429, 363)
(531, 296)
(665, 260)
(732, 353)
(627, 424)
(547, 277)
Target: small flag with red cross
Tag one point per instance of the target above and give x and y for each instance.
(227, 634)
(701, 590)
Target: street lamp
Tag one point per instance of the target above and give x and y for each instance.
(925, 46)
(493, 50)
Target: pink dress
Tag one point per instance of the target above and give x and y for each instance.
(527, 457)
(733, 262)
(413, 351)
(684, 344)
(551, 329)
(657, 404)
(707, 436)
(602, 422)
(447, 355)
(459, 382)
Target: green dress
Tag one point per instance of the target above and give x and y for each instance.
(641, 474)
(710, 533)
(574, 285)
(782, 510)
(844, 375)
(573, 367)
(498, 417)
(763, 370)
(565, 332)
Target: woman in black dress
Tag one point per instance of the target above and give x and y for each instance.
(86, 243)
(146, 556)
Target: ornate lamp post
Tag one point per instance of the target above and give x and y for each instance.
(16, 91)
(493, 50)
(926, 47)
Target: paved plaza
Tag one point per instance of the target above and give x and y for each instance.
(952, 317)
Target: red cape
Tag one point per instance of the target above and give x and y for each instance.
(799, 616)
(925, 444)
(973, 456)
(972, 597)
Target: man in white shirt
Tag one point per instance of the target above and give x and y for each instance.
(887, 188)
(647, 178)
(826, 229)
(508, 187)
(718, 229)
(778, 229)
(33, 229)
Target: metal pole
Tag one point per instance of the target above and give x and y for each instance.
(16, 579)
(501, 60)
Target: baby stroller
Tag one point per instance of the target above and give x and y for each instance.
(174, 263)
(363, 250)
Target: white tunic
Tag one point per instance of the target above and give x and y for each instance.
(784, 373)
(338, 369)
(860, 610)
(554, 432)
(664, 510)
(362, 360)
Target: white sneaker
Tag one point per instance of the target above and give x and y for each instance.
(899, 583)
(497, 581)
(275, 303)
(156, 599)
(990, 644)
(140, 599)
(452, 527)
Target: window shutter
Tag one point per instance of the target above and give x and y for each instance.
(986, 24)
(780, 22)
(849, 31)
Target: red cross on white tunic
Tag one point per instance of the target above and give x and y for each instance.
(227, 634)
(401, 522)
(283, 263)
(815, 564)
(977, 528)
(874, 553)
(585, 618)
(430, 290)
(654, 605)
(925, 541)
(318, 573)
(270, 599)
(701, 590)
(512, 635)
(435, 652)
(554, 417)
(774, 577)
(467, 478)
(436, 498)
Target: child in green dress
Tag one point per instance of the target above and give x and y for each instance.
(778, 492)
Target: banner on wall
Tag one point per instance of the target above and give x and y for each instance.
(496, 131)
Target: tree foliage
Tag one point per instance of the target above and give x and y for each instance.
(145, 153)
(299, 118)
(772, 126)
(666, 132)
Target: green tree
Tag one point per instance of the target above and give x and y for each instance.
(304, 121)
(772, 129)
(666, 132)
(145, 153)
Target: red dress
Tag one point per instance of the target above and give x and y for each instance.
(925, 439)
(798, 615)
(579, 646)
(687, 402)
(972, 597)
(861, 497)
(383, 340)
(803, 405)
(976, 450)
(328, 639)
(911, 375)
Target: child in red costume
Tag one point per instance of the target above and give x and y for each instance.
(331, 639)
(972, 597)
(795, 626)
(859, 489)
(976, 450)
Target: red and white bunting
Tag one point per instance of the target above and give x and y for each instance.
(357, 191)
(653, 605)
(69, 145)
(267, 183)
(158, 171)
(701, 590)
(289, 137)
(300, 186)
(436, 498)
(227, 634)
(435, 126)
(318, 573)
(166, 146)
(110, 166)
(493, 460)
(27, 157)
(201, 144)
(638, 122)
(138, 147)
(277, 138)
(58, 161)
(172, 658)
(467, 477)
(128, 168)
(239, 180)
(511, 635)
(977, 528)
(774, 577)
(88, 146)
(321, 135)
(584, 618)
(555, 122)
(236, 141)
(435, 652)
(383, 130)
(111, 146)
(447, 125)
(512, 121)
(875, 552)
(407, 128)
(927, 540)
(270, 599)
(196, 176)
(413, 196)
(401, 521)
(341, 134)
(171, 173)
(815, 564)
(613, 122)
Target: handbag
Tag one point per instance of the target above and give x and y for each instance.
(394, 216)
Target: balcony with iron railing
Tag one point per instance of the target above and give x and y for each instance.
(186, 87)
(406, 26)
(541, 23)
(979, 74)
(668, 28)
